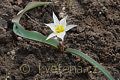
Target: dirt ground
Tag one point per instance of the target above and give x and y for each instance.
(97, 35)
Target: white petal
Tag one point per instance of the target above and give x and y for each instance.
(61, 35)
(69, 27)
(56, 21)
(51, 25)
(63, 21)
(50, 36)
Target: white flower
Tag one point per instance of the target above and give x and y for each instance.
(59, 28)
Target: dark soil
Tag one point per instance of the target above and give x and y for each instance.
(97, 35)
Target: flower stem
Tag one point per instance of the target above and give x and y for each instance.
(61, 46)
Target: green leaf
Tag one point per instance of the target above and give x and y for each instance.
(33, 35)
(92, 61)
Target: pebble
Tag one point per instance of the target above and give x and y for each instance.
(12, 52)
(63, 8)
(61, 14)
(20, 38)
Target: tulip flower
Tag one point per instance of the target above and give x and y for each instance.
(59, 28)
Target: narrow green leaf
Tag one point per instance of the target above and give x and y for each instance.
(33, 35)
(92, 61)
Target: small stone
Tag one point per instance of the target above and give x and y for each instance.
(8, 53)
(19, 38)
(63, 8)
(12, 52)
(118, 54)
(61, 14)
(100, 12)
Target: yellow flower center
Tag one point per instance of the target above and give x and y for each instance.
(59, 28)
